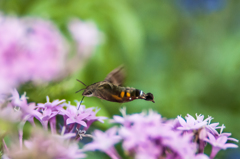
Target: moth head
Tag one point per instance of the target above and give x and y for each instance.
(88, 92)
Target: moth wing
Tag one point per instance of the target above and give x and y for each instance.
(106, 92)
(117, 76)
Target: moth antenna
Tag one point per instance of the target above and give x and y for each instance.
(79, 90)
(81, 82)
(80, 103)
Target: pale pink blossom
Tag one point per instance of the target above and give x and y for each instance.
(86, 35)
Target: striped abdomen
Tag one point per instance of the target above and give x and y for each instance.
(126, 94)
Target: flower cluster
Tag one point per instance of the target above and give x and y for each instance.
(144, 135)
(205, 132)
(30, 49)
(148, 135)
(33, 49)
(52, 146)
(48, 147)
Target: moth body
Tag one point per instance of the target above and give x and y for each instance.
(111, 90)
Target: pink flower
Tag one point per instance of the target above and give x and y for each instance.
(92, 113)
(49, 111)
(210, 127)
(9, 114)
(105, 142)
(30, 49)
(86, 35)
(218, 143)
(20, 104)
(42, 145)
(16, 100)
(75, 116)
(148, 135)
(84, 116)
(190, 123)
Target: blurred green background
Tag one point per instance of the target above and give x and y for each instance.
(185, 52)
